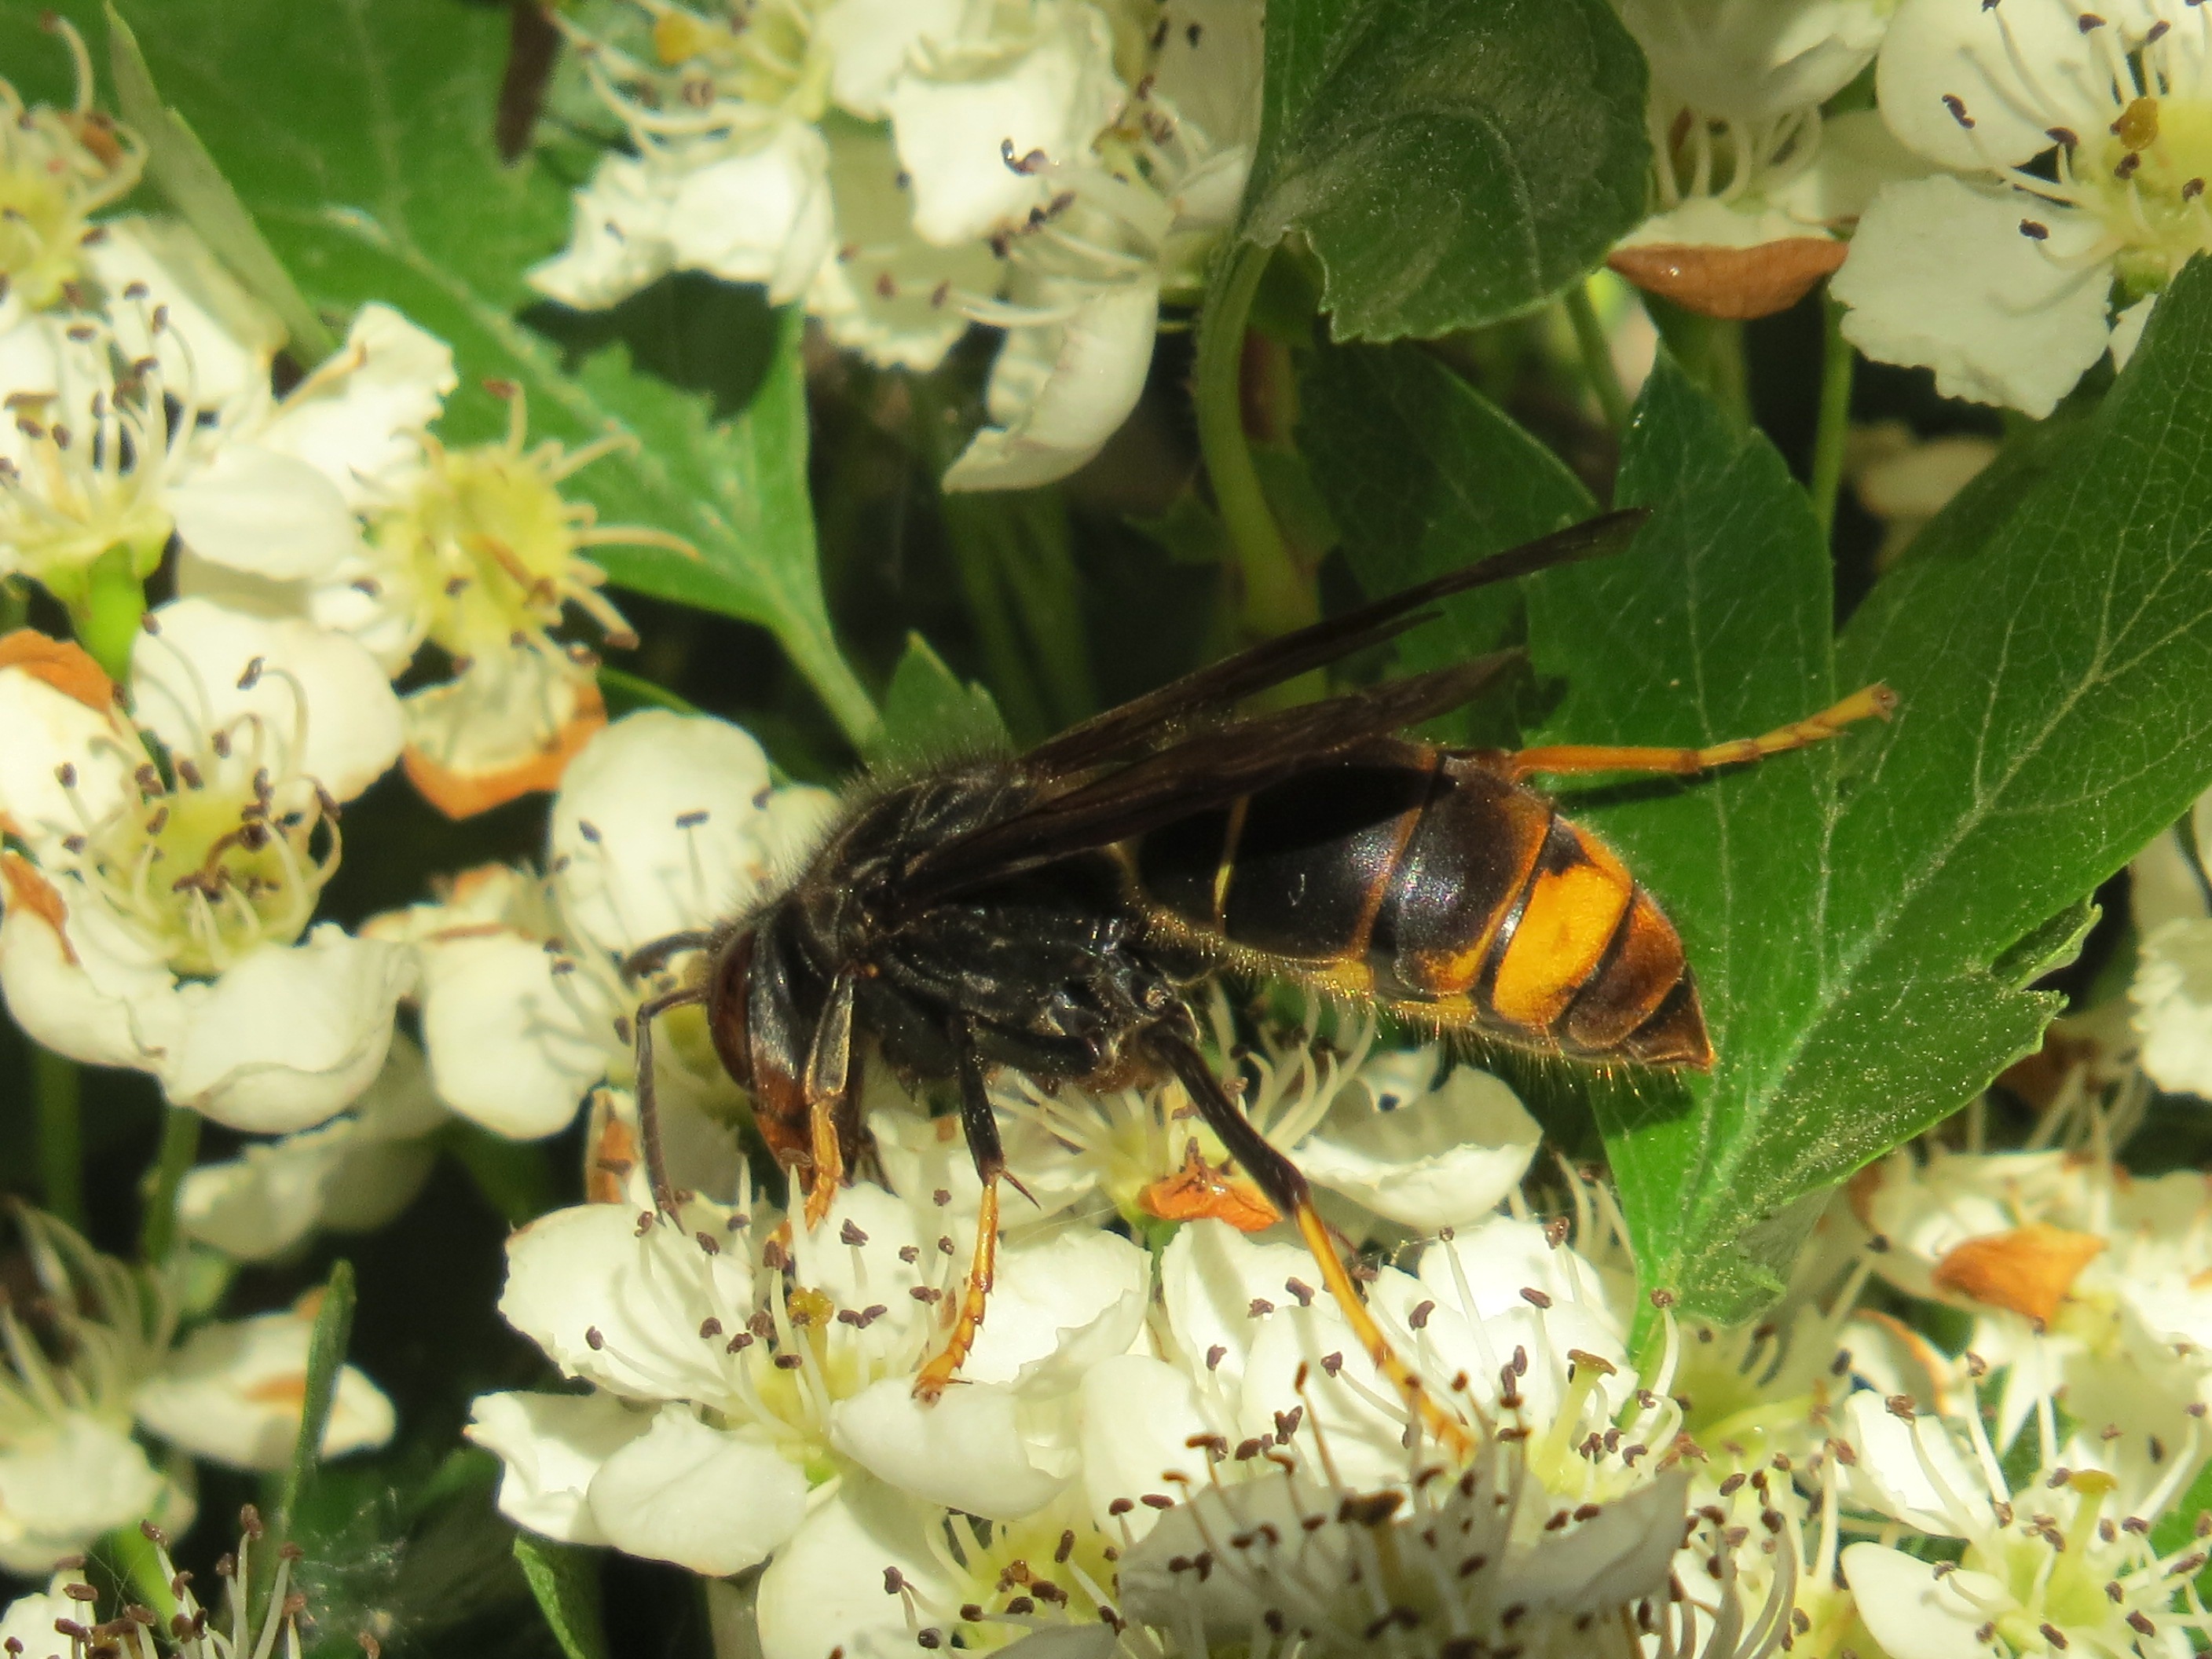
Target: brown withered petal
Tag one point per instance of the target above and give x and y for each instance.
(1738, 284)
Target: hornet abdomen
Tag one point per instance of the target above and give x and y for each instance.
(1435, 882)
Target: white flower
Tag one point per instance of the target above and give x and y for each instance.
(2087, 1285)
(1120, 221)
(1749, 180)
(1383, 1132)
(730, 177)
(277, 499)
(664, 824)
(2064, 1563)
(756, 1370)
(1022, 79)
(352, 1173)
(63, 1621)
(886, 294)
(158, 920)
(2172, 993)
(2080, 158)
(232, 1394)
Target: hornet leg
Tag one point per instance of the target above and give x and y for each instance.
(1874, 702)
(648, 1112)
(981, 1127)
(1279, 1178)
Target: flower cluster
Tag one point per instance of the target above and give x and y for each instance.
(1051, 167)
(95, 1375)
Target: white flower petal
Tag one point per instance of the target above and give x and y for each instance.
(507, 1049)
(1052, 91)
(288, 1035)
(1060, 1305)
(1059, 391)
(760, 215)
(888, 295)
(91, 991)
(1914, 1613)
(325, 701)
(65, 1487)
(28, 1626)
(232, 1394)
(359, 419)
(1438, 1161)
(1941, 275)
(977, 1449)
(716, 1502)
(506, 725)
(551, 1445)
(1139, 1415)
(2173, 998)
(2128, 327)
(1858, 155)
(268, 514)
(1758, 62)
(1620, 1555)
(1913, 1472)
(619, 1309)
(872, 1273)
(218, 340)
(637, 861)
(1212, 1279)
(47, 729)
(869, 41)
(1939, 50)
(620, 242)
(824, 1592)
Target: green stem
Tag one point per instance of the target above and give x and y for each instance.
(1831, 437)
(1277, 596)
(839, 688)
(968, 529)
(57, 1086)
(1710, 350)
(106, 621)
(180, 1145)
(1597, 357)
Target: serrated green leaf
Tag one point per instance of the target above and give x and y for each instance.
(929, 714)
(186, 174)
(1845, 908)
(565, 1579)
(363, 149)
(1451, 162)
(1423, 474)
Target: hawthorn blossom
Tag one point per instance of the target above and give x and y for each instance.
(742, 1363)
(70, 1468)
(1383, 1130)
(352, 1173)
(160, 915)
(664, 824)
(2088, 1288)
(2064, 1560)
(1129, 218)
(1749, 180)
(2077, 160)
(62, 1622)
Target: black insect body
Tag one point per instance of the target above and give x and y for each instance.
(1050, 913)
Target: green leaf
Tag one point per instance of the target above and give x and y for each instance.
(362, 146)
(186, 174)
(928, 714)
(565, 1579)
(1861, 917)
(1423, 474)
(1451, 163)
(326, 1352)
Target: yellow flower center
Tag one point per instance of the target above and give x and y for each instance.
(214, 863)
(2150, 174)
